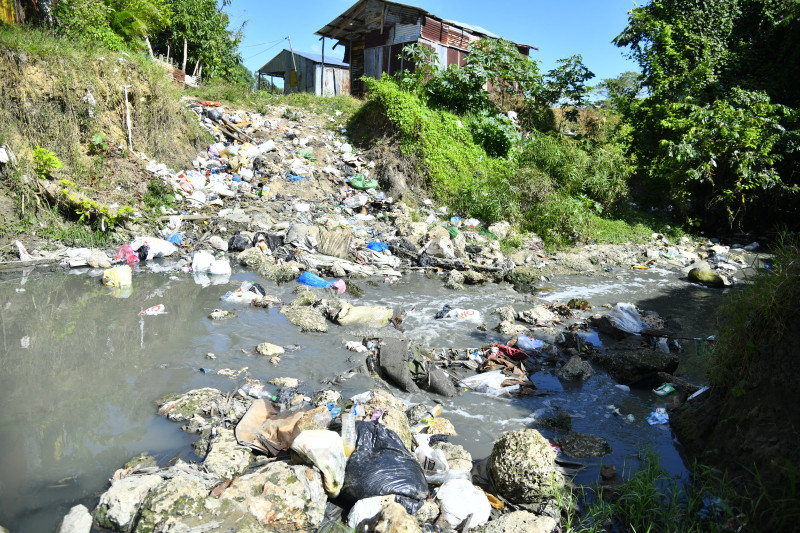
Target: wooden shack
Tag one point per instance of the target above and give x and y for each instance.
(374, 33)
(305, 72)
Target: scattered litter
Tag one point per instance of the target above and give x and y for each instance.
(155, 310)
(657, 417)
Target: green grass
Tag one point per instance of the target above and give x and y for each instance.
(755, 319)
(630, 226)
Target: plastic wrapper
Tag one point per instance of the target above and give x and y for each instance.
(325, 450)
(625, 317)
(381, 465)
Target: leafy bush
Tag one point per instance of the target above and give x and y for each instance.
(45, 162)
(495, 133)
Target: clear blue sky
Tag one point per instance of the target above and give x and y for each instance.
(558, 28)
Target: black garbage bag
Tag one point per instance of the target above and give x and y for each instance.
(425, 260)
(258, 289)
(381, 465)
(142, 252)
(273, 241)
(443, 313)
(238, 243)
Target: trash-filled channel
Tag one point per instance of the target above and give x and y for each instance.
(82, 370)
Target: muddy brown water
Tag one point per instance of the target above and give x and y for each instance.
(81, 370)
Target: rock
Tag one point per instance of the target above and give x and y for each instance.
(221, 314)
(350, 314)
(524, 277)
(218, 243)
(473, 278)
(539, 313)
(414, 232)
(458, 458)
(78, 520)
(140, 461)
(182, 407)
(455, 280)
(393, 364)
(279, 496)
(307, 318)
(291, 383)
(510, 328)
(119, 504)
(577, 444)
(226, 459)
(439, 243)
(427, 513)
(336, 243)
(707, 277)
(397, 421)
(630, 366)
(269, 350)
(304, 297)
(507, 313)
(392, 518)
(576, 369)
(560, 422)
(325, 397)
(521, 521)
(384, 400)
(173, 502)
(500, 229)
(442, 426)
(522, 465)
(254, 259)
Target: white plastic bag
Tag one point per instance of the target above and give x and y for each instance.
(490, 383)
(430, 459)
(460, 498)
(625, 317)
(158, 247)
(365, 509)
(529, 344)
(202, 261)
(325, 450)
(465, 314)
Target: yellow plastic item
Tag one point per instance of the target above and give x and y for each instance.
(120, 276)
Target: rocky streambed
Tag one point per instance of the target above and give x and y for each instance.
(250, 221)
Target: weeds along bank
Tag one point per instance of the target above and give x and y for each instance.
(68, 99)
(479, 164)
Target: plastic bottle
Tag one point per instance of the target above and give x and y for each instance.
(349, 433)
(430, 459)
(427, 418)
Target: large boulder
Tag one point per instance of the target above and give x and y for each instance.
(172, 502)
(392, 518)
(307, 318)
(521, 521)
(226, 458)
(120, 503)
(576, 369)
(522, 465)
(707, 277)
(458, 458)
(78, 520)
(279, 496)
(636, 365)
(577, 444)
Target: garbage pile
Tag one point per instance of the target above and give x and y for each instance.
(290, 462)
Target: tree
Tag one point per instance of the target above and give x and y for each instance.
(204, 25)
(708, 130)
(566, 85)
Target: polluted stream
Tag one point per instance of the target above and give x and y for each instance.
(82, 370)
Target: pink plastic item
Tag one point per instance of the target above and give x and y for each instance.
(340, 286)
(127, 252)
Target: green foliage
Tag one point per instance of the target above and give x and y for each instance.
(88, 20)
(714, 127)
(566, 84)
(757, 318)
(98, 144)
(730, 148)
(45, 162)
(204, 25)
(158, 194)
(494, 133)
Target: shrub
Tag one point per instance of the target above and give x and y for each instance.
(494, 133)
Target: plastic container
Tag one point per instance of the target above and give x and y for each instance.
(348, 433)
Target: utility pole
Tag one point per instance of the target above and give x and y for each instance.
(289, 38)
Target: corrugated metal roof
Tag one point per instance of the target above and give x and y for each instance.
(282, 62)
(472, 28)
(366, 15)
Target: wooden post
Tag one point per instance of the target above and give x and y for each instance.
(149, 47)
(196, 65)
(168, 53)
(128, 118)
(185, 51)
(322, 81)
